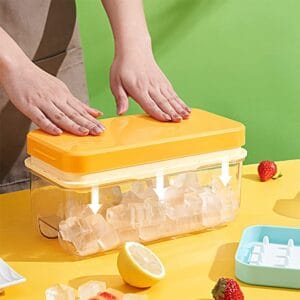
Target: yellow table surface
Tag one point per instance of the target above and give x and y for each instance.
(193, 263)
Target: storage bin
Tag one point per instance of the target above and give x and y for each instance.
(141, 180)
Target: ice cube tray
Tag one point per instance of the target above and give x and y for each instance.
(8, 276)
(269, 255)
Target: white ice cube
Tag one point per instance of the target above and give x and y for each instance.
(72, 227)
(120, 216)
(90, 289)
(105, 234)
(187, 181)
(110, 196)
(60, 292)
(211, 208)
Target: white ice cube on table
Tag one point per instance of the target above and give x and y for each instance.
(60, 292)
(90, 289)
(106, 235)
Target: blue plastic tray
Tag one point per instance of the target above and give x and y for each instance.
(269, 255)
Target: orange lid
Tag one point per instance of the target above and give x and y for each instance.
(134, 140)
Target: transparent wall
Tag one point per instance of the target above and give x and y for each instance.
(137, 210)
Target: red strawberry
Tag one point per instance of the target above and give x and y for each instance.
(267, 169)
(107, 296)
(227, 289)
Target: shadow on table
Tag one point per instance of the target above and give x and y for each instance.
(112, 281)
(252, 177)
(224, 266)
(288, 207)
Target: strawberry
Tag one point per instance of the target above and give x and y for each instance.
(107, 296)
(267, 169)
(227, 289)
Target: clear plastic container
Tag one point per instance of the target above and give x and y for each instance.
(91, 208)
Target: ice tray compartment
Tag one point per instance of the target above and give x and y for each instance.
(269, 255)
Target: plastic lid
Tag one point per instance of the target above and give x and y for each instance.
(134, 140)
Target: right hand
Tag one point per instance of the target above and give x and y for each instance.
(48, 102)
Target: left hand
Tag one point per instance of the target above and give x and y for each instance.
(137, 75)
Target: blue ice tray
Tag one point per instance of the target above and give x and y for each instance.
(269, 255)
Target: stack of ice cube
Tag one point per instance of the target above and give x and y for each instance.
(141, 213)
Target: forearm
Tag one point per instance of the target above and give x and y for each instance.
(129, 26)
(11, 55)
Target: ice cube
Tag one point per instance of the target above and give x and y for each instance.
(86, 244)
(152, 226)
(139, 187)
(90, 289)
(75, 209)
(72, 227)
(128, 235)
(193, 202)
(211, 208)
(186, 181)
(137, 213)
(105, 234)
(173, 196)
(110, 196)
(130, 197)
(60, 292)
(121, 216)
(134, 297)
(77, 231)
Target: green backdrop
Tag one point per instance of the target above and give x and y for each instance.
(240, 59)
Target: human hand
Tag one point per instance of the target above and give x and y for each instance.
(137, 75)
(47, 101)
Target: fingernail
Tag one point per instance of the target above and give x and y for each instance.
(83, 129)
(168, 118)
(102, 126)
(96, 130)
(185, 114)
(176, 117)
(58, 131)
(189, 109)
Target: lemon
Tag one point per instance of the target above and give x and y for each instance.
(139, 266)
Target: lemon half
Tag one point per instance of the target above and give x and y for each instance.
(139, 266)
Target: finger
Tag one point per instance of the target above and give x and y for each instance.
(150, 107)
(121, 100)
(177, 106)
(42, 121)
(77, 118)
(164, 105)
(60, 118)
(170, 94)
(73, 102)
(91, 111)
